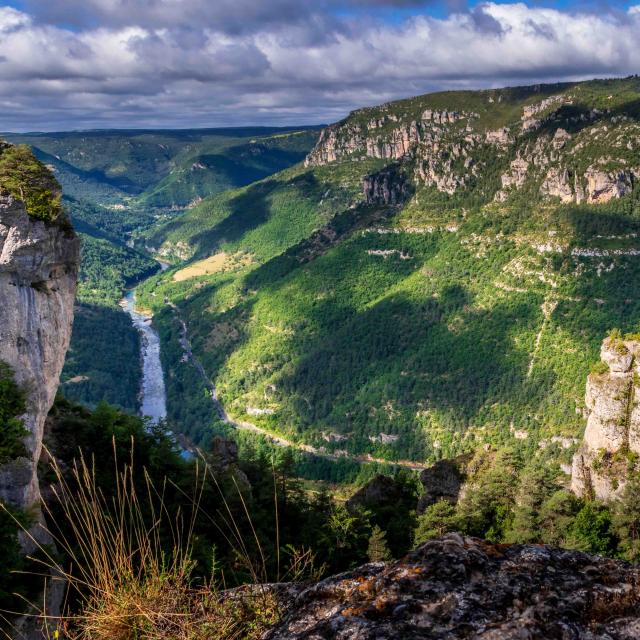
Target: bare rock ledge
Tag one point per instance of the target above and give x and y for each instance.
(460, 587)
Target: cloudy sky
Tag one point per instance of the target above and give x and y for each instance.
(74, 64)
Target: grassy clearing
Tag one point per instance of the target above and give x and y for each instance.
(217, 263)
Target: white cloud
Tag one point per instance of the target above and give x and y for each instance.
(150, 73)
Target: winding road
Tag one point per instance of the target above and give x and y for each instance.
(243, 425)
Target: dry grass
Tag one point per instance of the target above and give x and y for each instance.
(128, 586)
(216, 263)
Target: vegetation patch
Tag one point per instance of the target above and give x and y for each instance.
(12, 405)
(24, 177)
(216, 263)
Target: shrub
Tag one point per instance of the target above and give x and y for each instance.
(437, 520)
(24, 177)
(12, 430)
(599, 368)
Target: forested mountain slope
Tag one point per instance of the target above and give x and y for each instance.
(439, 274)
(164, 168)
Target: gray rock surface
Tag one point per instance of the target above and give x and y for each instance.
(612, 401)
(459, 587)
(38, 272)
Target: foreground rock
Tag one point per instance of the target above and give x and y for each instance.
(459, 587)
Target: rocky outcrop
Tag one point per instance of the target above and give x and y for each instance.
(529, 120)
(380, 490)
(38, 271)
(603, 186)
(383, 138)
(445, 117)
(389, 186)
(556, 184)
(336, 142)
(499, 137)
(514, 178)
(460, 587)
(612, 436)
(443, 481)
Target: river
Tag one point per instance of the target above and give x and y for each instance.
(153, 397)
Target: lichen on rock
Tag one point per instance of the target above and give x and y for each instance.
(461, 587)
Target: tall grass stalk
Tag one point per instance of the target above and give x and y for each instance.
(126, 581)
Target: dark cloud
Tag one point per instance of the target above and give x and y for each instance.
(229, 16)
(293, 63)
(485, 22)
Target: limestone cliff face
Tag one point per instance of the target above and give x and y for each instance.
(38, 272)
(612, 437)
(453, 150)
(387, 187)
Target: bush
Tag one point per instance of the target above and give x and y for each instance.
(599, 368)
(24, 177)
(12, 430)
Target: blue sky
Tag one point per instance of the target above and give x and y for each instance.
(176, 63)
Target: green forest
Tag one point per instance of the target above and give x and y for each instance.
(418, 331)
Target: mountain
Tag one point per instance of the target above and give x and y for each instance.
(131, 532)
(438, 275)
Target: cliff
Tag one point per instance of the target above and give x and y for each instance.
(460, 587)
(38, 271)
(611, 444)
(560, 146)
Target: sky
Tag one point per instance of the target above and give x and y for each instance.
(82, 64)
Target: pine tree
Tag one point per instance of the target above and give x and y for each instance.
(378, 551)
(537, 484)
(626, 520)
(437, 519)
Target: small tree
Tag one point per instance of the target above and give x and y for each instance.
(437, 519)
(592, 530)
(378, 551)
(556, 517)
(26, 178)
(537, 484)
(626, 520)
